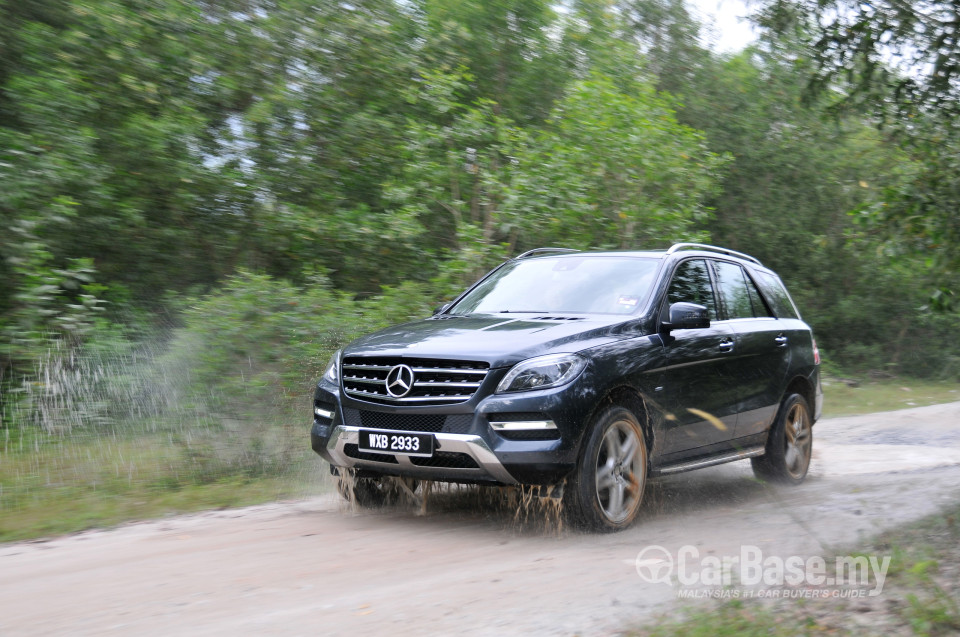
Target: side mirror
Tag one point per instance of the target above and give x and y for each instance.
(440, 308)
(687, 316)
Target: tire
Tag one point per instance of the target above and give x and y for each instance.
(371, 493)
(606, 489)
(789, 445)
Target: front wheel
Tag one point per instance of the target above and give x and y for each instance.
(789, 445)
(607, 486)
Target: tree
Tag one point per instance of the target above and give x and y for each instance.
(907, 54)
(612, 168)
(507, 48)
(615, 169)
(899, 62)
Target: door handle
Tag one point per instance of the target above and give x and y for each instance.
(781, 341)
(726, 346)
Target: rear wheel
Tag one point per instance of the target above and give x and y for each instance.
(607, 487)
(789, 445)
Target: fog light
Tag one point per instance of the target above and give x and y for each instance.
(323, 413)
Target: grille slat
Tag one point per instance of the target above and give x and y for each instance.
(366, 381)
(373, 368)
(446, 383)
(436, 382)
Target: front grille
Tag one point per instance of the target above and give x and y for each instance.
(446, 460)
(402, 422)
(353, 451)
(458, 424)
(426, 423)
(435, 381)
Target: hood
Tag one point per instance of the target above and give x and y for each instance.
(499, 339)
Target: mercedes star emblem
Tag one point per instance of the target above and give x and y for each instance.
(399, 381)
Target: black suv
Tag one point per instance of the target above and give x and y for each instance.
(593, 370)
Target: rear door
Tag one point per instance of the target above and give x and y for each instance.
(763, 356)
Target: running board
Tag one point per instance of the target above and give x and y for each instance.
(690, 465)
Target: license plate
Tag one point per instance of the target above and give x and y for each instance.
(395, 443)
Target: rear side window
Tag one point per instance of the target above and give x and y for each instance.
(759, 307)
(738, 293)
(691, 284)
(775, 294)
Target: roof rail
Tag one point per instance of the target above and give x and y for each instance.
(530, 253)
(676, 247)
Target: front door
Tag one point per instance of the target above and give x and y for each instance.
(699, 387)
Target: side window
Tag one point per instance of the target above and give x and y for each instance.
(691, 284)
(776, 294)
(732, 286)
(759, 307)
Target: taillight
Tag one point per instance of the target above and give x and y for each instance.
(816, 353)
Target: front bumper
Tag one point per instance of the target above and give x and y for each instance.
(462, 449)
(467, 448)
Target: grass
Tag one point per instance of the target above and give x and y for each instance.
(919, 597)
(61, 485)
(732, 619)
(843, 399)
(71, 509)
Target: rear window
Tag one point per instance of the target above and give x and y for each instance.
(776, 295)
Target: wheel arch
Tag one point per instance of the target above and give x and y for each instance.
(802, 386)
(630, 398)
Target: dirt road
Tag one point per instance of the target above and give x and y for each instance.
(314, 568)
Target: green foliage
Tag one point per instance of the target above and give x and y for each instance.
(507, 49)
(175, 175)
(887, 53)
(258, 339)
(897, 62)
(610, 168)
(199, 202)
(108, 429)
(615, 169)
(729, 619)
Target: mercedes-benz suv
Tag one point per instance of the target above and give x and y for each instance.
(591, 370)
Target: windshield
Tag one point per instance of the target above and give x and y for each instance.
(577, 285)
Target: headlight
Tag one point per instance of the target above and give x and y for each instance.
(542, 372)
(332, 373)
